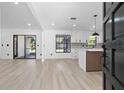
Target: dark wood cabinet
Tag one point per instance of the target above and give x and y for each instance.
(113, 65)
(93, 61)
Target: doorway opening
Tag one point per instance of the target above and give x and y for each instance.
(24, 46)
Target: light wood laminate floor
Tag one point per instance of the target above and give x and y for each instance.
(52, 74)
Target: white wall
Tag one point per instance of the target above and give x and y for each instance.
(20, 46)
(7, 38)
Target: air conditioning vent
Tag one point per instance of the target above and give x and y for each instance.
(73, 18)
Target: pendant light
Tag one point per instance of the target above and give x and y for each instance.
(95, 34)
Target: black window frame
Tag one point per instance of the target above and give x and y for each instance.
(66, 43)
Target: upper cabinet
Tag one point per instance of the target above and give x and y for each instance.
(83, 36)
(78, 37)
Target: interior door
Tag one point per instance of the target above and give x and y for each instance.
(113, 65)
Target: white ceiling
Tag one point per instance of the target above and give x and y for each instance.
(59, 13)
(17, 16)
(51, 15)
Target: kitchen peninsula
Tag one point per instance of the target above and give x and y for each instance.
(90, 59)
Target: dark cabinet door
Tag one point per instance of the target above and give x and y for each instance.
(113, 65)
(93, 61)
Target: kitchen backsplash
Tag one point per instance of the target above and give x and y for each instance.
(84, 45)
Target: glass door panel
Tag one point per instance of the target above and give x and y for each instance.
(30, 46)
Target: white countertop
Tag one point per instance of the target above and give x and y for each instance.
(95, 49)
(91, 49)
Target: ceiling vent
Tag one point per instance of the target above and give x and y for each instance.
(73, 18)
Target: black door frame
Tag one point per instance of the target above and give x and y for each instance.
(113, 43)
(24, 46)
(15, 36)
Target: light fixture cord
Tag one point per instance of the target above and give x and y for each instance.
(95, 23)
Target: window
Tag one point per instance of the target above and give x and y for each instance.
(63, 43)
(92, 41)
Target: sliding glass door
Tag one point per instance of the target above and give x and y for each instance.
(24, 46)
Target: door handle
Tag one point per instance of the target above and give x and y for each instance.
(102, 58)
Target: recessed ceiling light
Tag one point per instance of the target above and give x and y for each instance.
(16, 3)
(53, 24)
(74, 25)
(93, 26)
(29, 24)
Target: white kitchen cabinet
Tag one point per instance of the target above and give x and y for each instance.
(80, 36)
(77, 37)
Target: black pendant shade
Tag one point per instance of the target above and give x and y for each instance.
(95, 34)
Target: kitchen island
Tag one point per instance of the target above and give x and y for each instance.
(90, 59)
